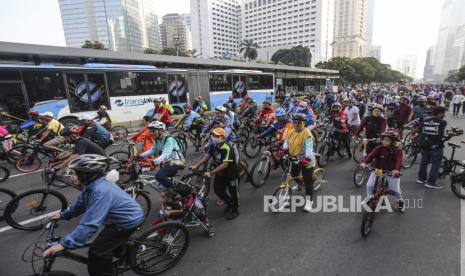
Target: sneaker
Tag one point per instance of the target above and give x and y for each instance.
(420, 181)
(308, 205)
(232, 215)
(220, 203)
(433, 186)
(401, 205)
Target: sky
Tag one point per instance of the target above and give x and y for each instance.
(402, 27)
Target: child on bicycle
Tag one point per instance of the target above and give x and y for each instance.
(388, 157)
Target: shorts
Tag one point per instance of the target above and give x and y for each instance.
(54, 142)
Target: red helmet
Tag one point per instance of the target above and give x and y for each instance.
(391, 134)
(429, 98)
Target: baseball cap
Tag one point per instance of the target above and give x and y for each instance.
(85, 117)
(48, 114)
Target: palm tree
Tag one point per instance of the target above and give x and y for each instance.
(249, 48)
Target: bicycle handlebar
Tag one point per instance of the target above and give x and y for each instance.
(383, 172)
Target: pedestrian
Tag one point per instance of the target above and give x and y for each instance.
(431, 141)
(457, 101)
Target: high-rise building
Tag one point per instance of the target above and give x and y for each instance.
(120, 25)
(449, 49)
(374, 51)
(429, 65)
(187, 19)
(407, 65)
(215, 28)
(350, 24)
(281, 24)
(175, 33)
(370, 22)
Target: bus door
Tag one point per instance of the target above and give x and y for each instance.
(177, 90)
(13, 100)
(87, 92)
(239, 86)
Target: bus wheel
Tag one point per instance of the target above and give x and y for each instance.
(70, 122)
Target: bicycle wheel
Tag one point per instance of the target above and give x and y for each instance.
(368, 220)
(410, 156)
(324, 152)
(144, 201)
(282, 198)
(29, 211)
(407, 139)
(360, 176)
(4, 174)
(16, 152)
(5, 197)
(196, 180)
(159, 248)
(119, 133)
(320, 134)
(28, 164)
(359, 151)
(252, 147)
(457, 185)
(260, 172)
(318, 178)
(342, 150)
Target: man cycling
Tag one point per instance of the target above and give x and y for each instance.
(144, 136)
(169, 154)
(294, 107)
(50, 135)
(95, 132)
(194, 123)
(266, 115)
(101, 203)
(223, 121)
(199, 105)
(299, 144)
(353, 116)
(387, 157)
(251, 112)
(341, 130)
(374, 125)
(226, 171)
(159, 113)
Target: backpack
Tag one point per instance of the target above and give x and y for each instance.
(181, 145)
(236, 152)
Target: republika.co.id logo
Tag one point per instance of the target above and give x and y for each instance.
(133, 102)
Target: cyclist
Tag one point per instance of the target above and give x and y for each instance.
(194, 123)
(169, 155)
(159, 113)
(294, 107)
(231, 114)
(306, 110)
(391, 107)
(167, 106)
(232, 104)
(404, 112)
(353, 116)
(224, 121)
(225, 170)
(103, 117)
(101, 203)
(266, 115)
(94, 131)
(283, 125)
(341, 131)
(387, 157)
(199, 105)
(419, 110)
(82, 145)
(251, 112)
(373, 125)
(299, 144)
(144, 136)
(50, 135)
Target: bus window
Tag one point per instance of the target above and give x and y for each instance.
(220, 82)
(253, 82)
(239, 88)
(151, 83)
(45, 87)
(12, 100)
(266, 82)
(177, 89)
(86, 96)
(135, 83)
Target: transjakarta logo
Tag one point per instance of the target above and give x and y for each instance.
(133, 102)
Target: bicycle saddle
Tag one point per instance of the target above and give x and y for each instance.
(454, 145)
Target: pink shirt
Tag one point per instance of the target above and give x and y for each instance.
(3, 131)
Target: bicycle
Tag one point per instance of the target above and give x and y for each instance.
(272, 158)
(329, 147)
(31, 162)
(5, 197)
(142, 254)
(253, 146)
(381, 189)
(360, 148)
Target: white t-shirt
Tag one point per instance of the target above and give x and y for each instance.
(457, 99)
(353, 117)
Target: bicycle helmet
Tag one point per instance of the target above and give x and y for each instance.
(89, 163)
(280, 112)
(221, 109)
(376, 106)
(391, 134)
(422, 99)
(157, 125)
(299, 117)
(336, 106)
(69, 131)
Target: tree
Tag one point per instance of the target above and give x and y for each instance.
(150, 51)
(249, 48)
(95, 45)
(458, 76)
(192, 53)
(296, 56)
(169, 52)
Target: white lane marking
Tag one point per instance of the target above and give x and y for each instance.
(27, 221)
(462, 237)
(21, 174)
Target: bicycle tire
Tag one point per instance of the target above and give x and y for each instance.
(257, 183)
(358, 152)
(250, 145)
(458, 187)
(15, 153)
(4, 174)
(320, 134)
(157, 235)
(407, 139)
(318, 178)
(119, 133)
(359, 177)
(21, 164)
(142, 197)
(5, 197)
(409, 151)
(324, 152)
(342, 151)
(367, 221)
(13, 206)
(283, 196)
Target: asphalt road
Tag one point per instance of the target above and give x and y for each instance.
(422, 241)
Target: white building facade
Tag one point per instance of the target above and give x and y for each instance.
(175, 33)
(407, 65)
(215, 28)
(281, 24)
(120, 25)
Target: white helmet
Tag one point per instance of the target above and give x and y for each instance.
(157, 125)
(221, 108)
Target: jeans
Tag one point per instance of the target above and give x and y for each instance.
(166, 172)
(456, 109)
(102, 250)
(434, 157)
(307, 174)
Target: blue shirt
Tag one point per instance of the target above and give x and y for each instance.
(191, 117)
(309, 114)
(102, 202)
(168, 150)
(276, 125)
